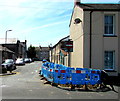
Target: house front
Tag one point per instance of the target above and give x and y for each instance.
(58, 53)
(19, 48)
(42, 53)
(95, 32)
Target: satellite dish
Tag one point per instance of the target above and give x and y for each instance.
(77, 21)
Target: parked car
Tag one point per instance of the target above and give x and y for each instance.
(9, 64)
(20, 61)
(30, 59)
(27, 60)
(3, 69)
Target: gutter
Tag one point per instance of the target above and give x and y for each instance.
(115, 10)
(90, 58)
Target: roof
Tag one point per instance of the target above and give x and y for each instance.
(42, 48)
(63, 39)
(111, 7)
(5, 49)
(9, 40)
(97, 7)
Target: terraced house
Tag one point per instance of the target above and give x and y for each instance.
(95, 32)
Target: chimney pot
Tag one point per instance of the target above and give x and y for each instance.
(76, 2)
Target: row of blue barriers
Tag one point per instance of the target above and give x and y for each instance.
(60, 74)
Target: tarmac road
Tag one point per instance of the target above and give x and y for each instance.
(26, 84)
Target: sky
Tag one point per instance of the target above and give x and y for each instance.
(40, 22)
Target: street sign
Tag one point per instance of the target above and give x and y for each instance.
(67, 46)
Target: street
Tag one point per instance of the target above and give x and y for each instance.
(27, 84)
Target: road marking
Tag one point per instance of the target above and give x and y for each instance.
(3, 85)
(8, 74)
(68, 93)
(17, 72)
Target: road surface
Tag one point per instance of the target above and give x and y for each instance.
(26, 84)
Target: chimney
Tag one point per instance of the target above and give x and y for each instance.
(25, 41)
(76, 2)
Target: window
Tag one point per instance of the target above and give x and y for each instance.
(109, 24)
(109, 60)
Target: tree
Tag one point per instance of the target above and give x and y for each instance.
(31, 53)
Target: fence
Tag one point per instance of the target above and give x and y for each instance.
(60, 74)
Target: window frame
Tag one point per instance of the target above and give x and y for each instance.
(113, 68)
(110, 34)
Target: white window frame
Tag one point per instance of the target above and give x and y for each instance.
(110, 34)
(113, 68)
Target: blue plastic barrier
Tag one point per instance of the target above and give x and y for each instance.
(50, 75)
(56, 76)
(95, 77)
(60, 74)
(41, 73)
(63, 76)
(79, 76)
(69, 75)
(51, 65)
(87, 76)
(56, 66)
(46, 64)
(45, 71)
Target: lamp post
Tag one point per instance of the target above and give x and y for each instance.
(6, 36)
(6, 42)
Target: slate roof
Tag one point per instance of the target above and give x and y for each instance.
(5, 49)
(97, 7)
(42, 48)
(115, 7)
(63, 39)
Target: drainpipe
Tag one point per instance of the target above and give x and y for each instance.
(90, 58)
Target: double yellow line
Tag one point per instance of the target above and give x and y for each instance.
(13, 73)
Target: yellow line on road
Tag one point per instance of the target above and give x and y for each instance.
(17, 72)
(8, 74)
